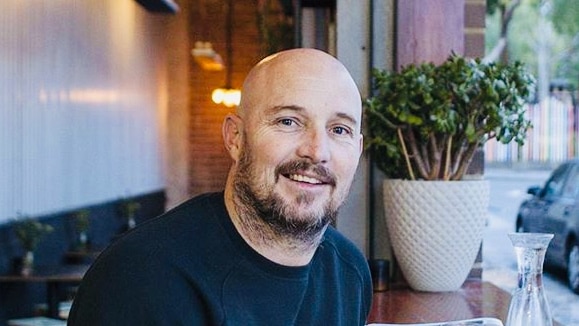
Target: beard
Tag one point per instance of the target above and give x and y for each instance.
(259, 205)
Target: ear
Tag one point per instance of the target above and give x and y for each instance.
(232, 133)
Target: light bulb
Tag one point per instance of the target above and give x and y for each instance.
(226, 96)
(232, 97)
(218, 95)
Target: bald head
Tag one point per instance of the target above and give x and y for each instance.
(295, 143)
(289, 77)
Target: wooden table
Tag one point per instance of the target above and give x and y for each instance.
(53, 276)
(475, 299)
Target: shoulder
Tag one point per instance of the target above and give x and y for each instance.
(343, 247)
(203, 204)
(162, 240)
(175, 226)
(152, 266)
(340, 256)
(338, 250)
(197, 210)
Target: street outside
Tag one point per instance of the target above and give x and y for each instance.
(508, 190)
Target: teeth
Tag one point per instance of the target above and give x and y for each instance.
(303, 178)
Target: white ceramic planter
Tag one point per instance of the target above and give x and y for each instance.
(435, 229)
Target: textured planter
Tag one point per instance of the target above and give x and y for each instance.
(435, 229)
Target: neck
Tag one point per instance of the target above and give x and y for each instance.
(283, 250)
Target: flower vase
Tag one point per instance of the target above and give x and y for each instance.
(27, 263)
(529, 306)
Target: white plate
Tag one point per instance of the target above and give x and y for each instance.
(465, 322)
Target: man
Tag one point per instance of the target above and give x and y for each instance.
(261, 252)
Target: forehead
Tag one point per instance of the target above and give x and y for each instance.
(317, 95)
(304, 78)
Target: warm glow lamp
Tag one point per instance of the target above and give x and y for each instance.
(226, 96)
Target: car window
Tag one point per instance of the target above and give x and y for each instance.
(554, 186)
(571, 188)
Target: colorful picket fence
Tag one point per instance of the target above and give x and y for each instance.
(551, 140)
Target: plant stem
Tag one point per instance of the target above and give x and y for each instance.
(447, 159)
(406, 157)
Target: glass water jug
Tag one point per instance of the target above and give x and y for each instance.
(529, 306)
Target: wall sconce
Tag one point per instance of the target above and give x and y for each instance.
(228, 95)
(206, 57)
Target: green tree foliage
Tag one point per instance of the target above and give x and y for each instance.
(561, 35)
(503, 10)
(565, 16)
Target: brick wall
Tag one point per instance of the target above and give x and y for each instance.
(474, 28)
(208, 160)
(474, 46)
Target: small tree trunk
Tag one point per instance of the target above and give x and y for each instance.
(506, 16)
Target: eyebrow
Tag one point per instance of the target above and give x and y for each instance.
(297, 108)
(277, 108)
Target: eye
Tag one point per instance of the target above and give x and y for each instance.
(340, 130)
(287, 122)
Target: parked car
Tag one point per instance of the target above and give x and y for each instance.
(554, 208)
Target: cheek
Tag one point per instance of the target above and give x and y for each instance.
(346, 161)
(266, 156)
(270, 149)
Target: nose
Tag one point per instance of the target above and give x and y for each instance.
(315, 146)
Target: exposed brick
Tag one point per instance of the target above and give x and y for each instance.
(474, 22)
(474, 45)
(474, 14)
(209, 162)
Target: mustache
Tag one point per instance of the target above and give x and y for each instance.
(320, 172)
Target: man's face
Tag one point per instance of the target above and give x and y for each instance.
(299, 153)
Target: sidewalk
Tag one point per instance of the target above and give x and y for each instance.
(497, 173)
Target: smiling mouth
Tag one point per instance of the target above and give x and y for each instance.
(305, 172)
(303, 178)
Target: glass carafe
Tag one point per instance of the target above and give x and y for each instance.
(529, 306)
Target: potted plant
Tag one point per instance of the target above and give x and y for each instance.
(425, 124)
(29, 232)
(128, 209)
(81, 220)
